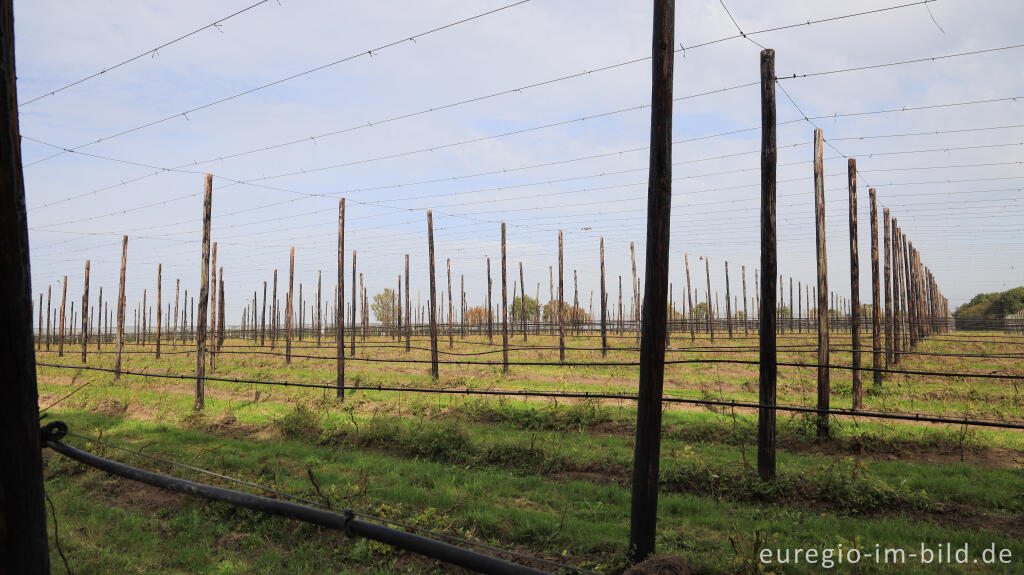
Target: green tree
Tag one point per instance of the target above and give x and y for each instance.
(385, 306)
(517, 311)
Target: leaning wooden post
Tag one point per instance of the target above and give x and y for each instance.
(522, 303)
(604, 308)
(159, 304)
(504, 305)
(876, 298)
(212, 348)
(768, 368)
(858, 391)
(647, 454)
(689, 298)
(728, 305)
(288, 308)
(219, 336)
(204, 297)
(710, 314)
(85, 312)
(888, 288)
(408, 316)
(433, 297)
(824, 388)
(339, 306)
(23, 534)
(120, 310)
(561, 304)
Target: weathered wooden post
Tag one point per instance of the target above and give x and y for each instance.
(522, 306)
(288, 308)
(63, 303)
(824, 387)
(451, 335)
(159, 305)
(352, 337)
(408, 316)
(212, 348)
(339, 306)
(710, 315)
(49, 314)
(728, 305)
(689, 298)
(273, 313)
(85, 312)
(768, 369)
(561, 304)
(876, 301)
(433, 297)
(490, 316)
(23, 534)
(635, 307)
(120, 309)
(204, 297)
(177, 293)
(604, 308)
(219, 339)
(620, 306)
(647, 454)
(504, 305)
(858, 390)
(746, 316)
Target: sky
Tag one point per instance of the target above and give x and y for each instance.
(410, 106)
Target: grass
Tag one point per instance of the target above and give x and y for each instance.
(549, 478)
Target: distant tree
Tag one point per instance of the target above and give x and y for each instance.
(986, 307)
(700, 312)
(549, 312)
(385, 307)
(517, 312)
(476, 315)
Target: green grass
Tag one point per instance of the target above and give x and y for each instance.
(547, 477)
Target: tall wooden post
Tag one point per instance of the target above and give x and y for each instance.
(504, 305)
(408, 315)
(522, 303)
(876, 298)
(858, 390)
(746, 316)
(646, 459)
(490, 316)
(288, 308)
(159, 305)
(23, 537)
(635, 308)
(273, 313)
(689, 298)
(824, 387)
(728, 304)
(177, 293)
(120, 309)
(451, 334)
(85, 312)
(561, 304)
(204, 297)
(60, 325)
(604, 308)
(212, 348)
(219, 336)
(768, 369)
(352, 337)
(710, 316)
(339, 306)
(49, 314)
(433, 297)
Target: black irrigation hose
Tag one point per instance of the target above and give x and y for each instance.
(585, 395)
(346, 522)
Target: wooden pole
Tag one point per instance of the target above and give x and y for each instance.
(490, 316)
(728, 305)
(433, 297)
(339, 306)
(159, 305)
(212, 348)
(273, 314)
(876, 298)
(85, 312)
(120, 309)
(49, 314)
(204, 297)
(63, 303)
(604, 308)
(504, 305)
(746, 316)
(219, 339)
(646, 459)
(824, 387)
(858, 390)
(288, 308)
(522, 303)
(689, 298)
(768, 368)
(710, 315)
(352, 337)
(635, 307)
(408, 317)
(561, 304)
(23, 536)
(451, 334)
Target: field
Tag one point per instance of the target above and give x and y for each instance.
(544, 476)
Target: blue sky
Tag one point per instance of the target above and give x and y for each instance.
(957, 194)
